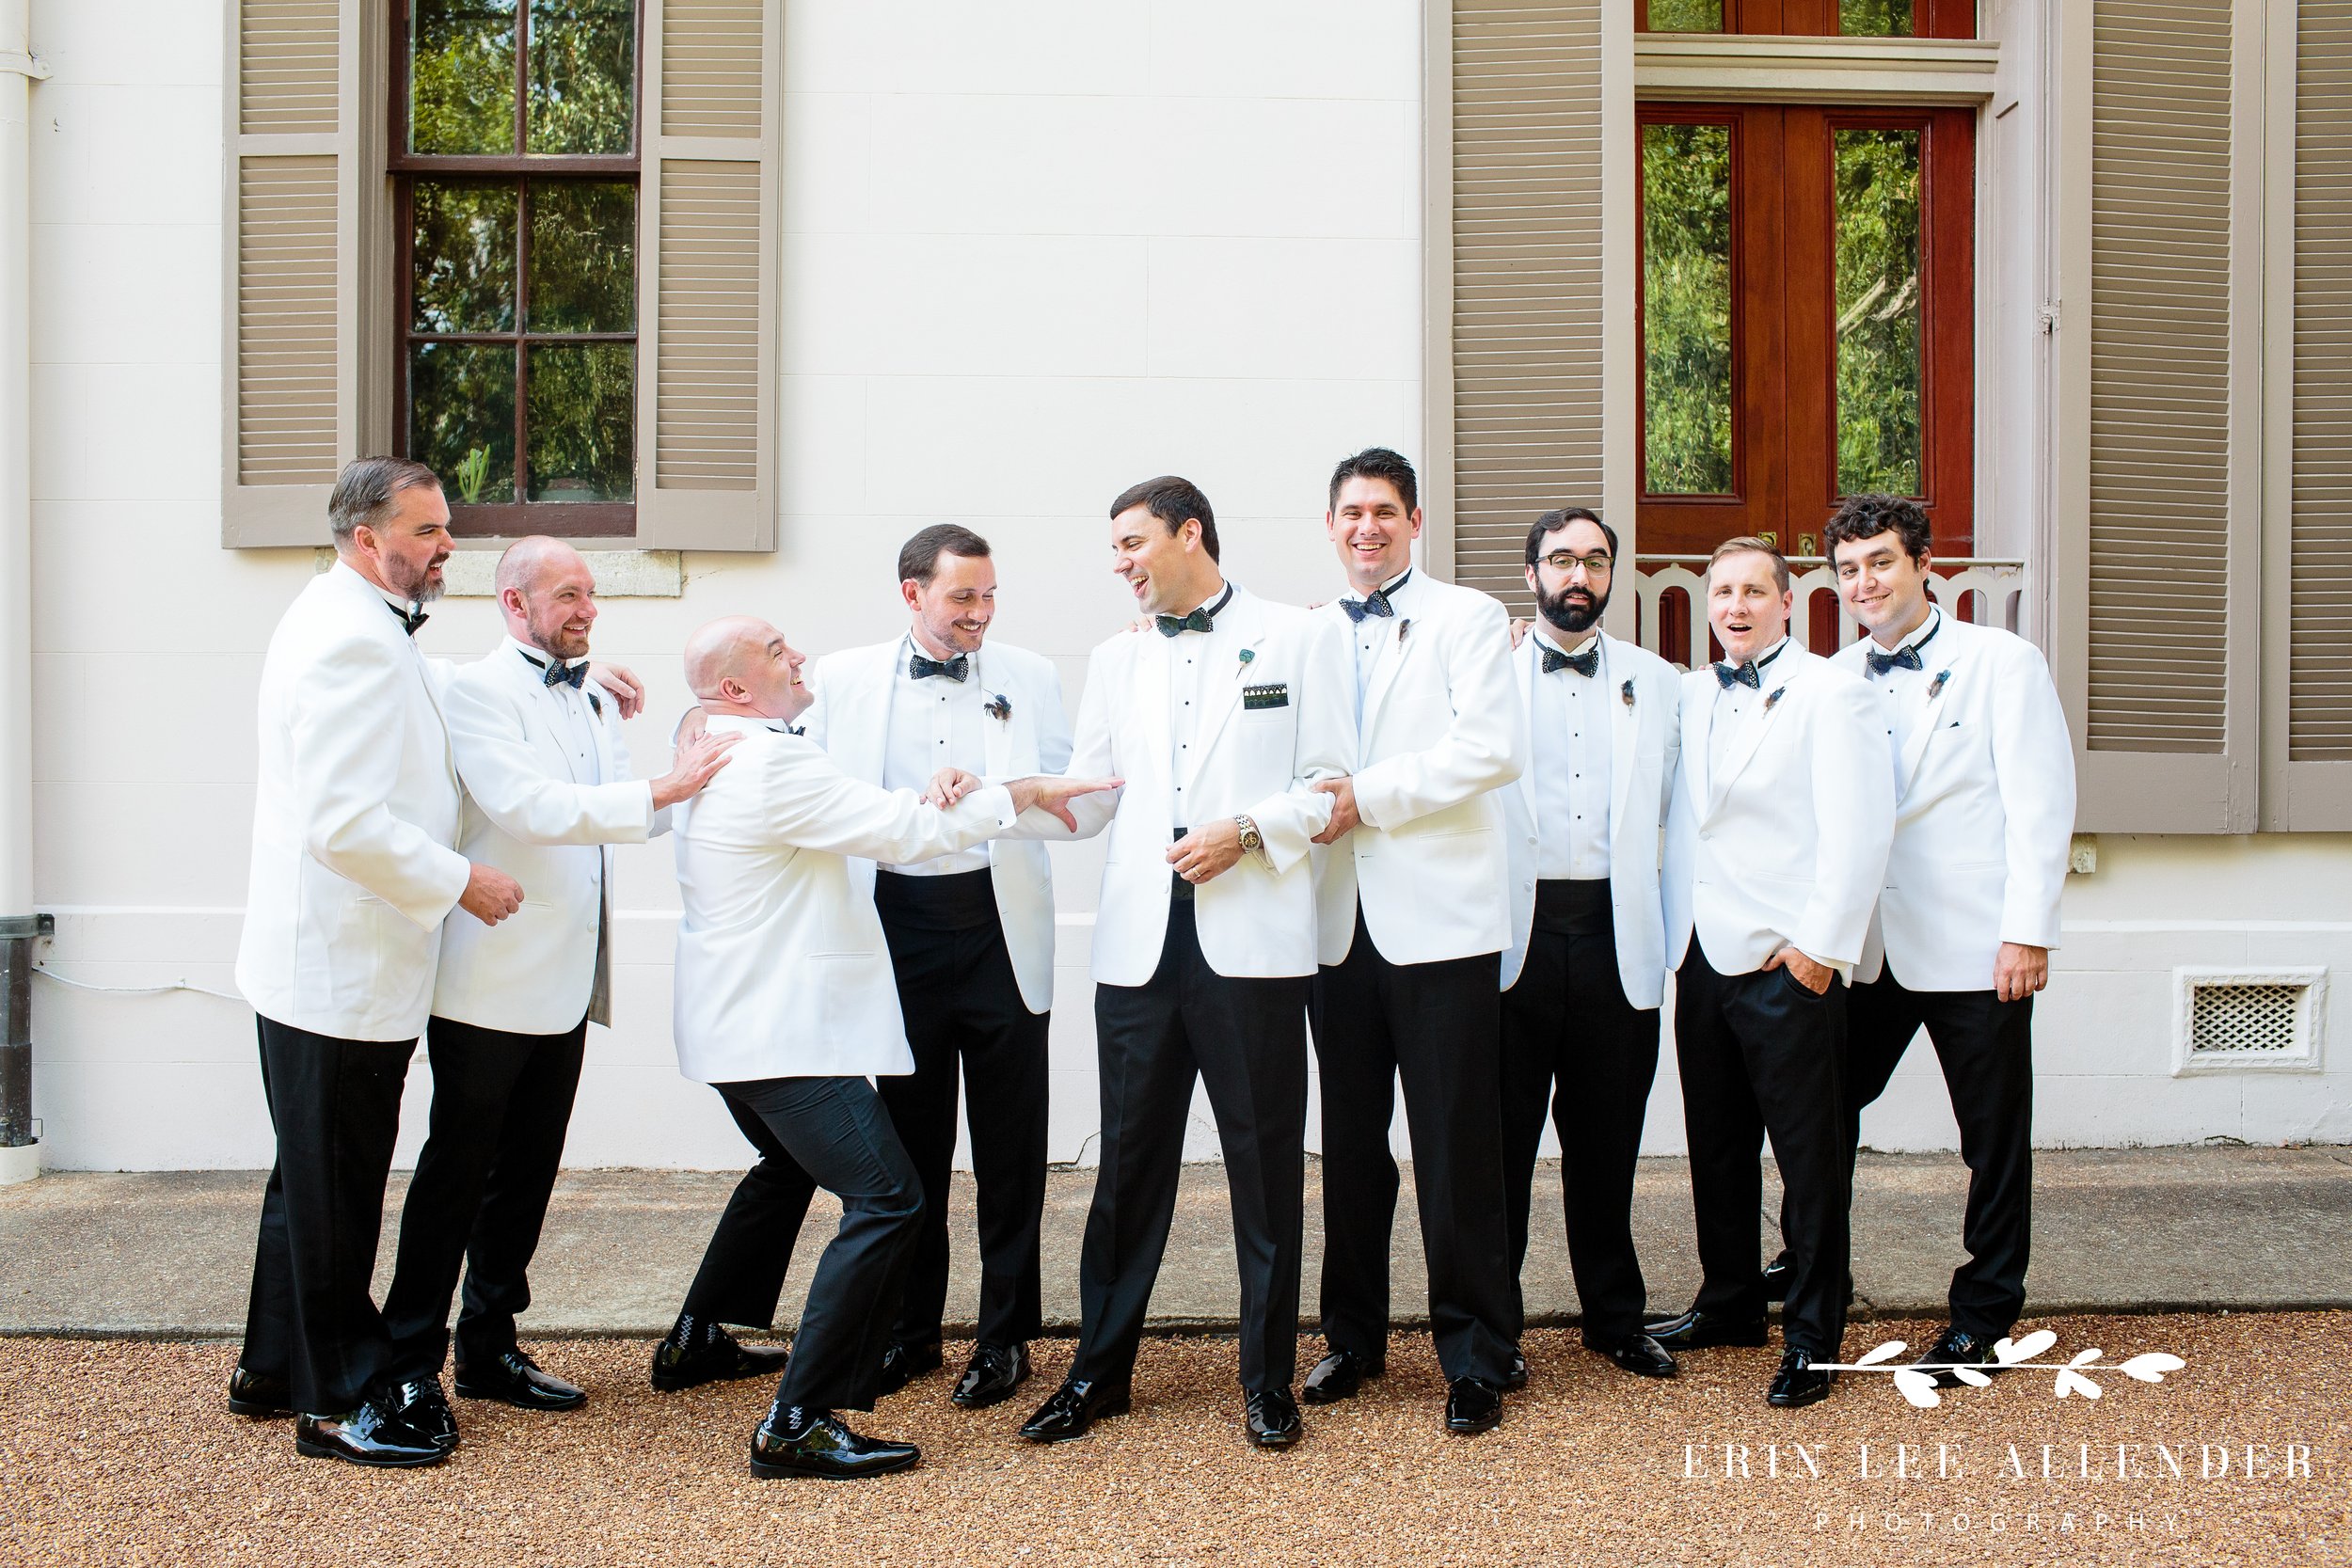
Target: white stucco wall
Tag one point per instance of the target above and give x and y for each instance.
(1033, 252)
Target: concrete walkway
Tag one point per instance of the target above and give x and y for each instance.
(168, 1254)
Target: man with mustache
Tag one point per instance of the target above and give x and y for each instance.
(1776, 839)
(547, 791)
(1410, 918)
(1585, 973)
(971, 938)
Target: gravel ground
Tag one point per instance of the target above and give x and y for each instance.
(120, 1451)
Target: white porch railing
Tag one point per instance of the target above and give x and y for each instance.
(1670, 592)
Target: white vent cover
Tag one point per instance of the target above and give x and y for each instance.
(2247, 1020)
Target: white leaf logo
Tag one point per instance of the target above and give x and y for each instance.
(2152, 1366)
(2010, 1352)
(1971, 1377)
(1886, 1352)
(2086, 1358)
(1917, 1386)
(2072, 1382)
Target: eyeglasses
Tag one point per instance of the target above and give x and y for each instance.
(1564, 562)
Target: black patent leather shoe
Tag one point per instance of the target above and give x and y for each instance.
(1271, 1416)
(1338, 1376)
(1639, 1354)
(1515, 1378)
(723, 1360)
(1957, 1347)
(513, 1378)
(369, 1435)
(1473, 1404)
(420, 1407)
(903, 1364)
(1780, 1271)
(1797, 1383)
(251, 1394)
(797, 1442)
(1072, 1409)
(1696, 1330)
(991, 1375)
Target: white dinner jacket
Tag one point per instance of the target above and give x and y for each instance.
(850, 720)
(1441, 734)
(533, 813)
(1786, 842)
(782, 969)
(354, 821)
(1258, 918)
(1644, 699)
(1985, 811)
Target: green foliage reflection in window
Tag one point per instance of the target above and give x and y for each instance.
(1686, 16)
(1880, 18)
(1875, 177)
(1686, 310)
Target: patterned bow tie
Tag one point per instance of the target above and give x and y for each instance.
(561, 674)
(919, 668)
(1902, 658)
(409, 620)
(1176, 626)
(1375, 603)
(1742, 673)
(784, 729)
(1586, 663)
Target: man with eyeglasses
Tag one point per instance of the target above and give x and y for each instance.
(1585, 973)
(1984, 782)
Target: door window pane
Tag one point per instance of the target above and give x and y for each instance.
(1686, 301)
(581, 418)
(1686, 16)
(1875, 186)
(464, 257)
(583, 256)
(461, 417)
(583, 76)
(1875, 18)
(461, 76)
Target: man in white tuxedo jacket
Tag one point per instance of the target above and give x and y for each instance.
(1984, 784)
(355, 866)
(971, 938)
(785, 1004)
(1776, 840)
(1410, 918)
(547, 792)
(1585, 973)
(1219, 715)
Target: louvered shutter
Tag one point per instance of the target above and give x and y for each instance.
(2165, 593)
(2308, 775)
(290, 312)
(1527, 284)
(708, 276)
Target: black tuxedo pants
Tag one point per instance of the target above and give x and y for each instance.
(1438, 1027)
(1760, 1053)
(1244, 1040)
(310, 1319)
(811, 1132)
(502, 1104)
(966, 1021)
(1571, 1039)
(1985, 1046)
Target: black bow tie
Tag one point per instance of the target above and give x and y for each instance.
(1586, 663)
(1375, 603)
(1902, 658)
(784, 729)
(554, 673)
(1176, 626)
(1742, 673)
(919, 668)
(409, 620)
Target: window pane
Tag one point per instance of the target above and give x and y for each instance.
(583, 256)
(461, 76)
(461, 417)
(582, 421)
(1686, 16)
(1686, 309)
(464, 257)
(583, 76)
(1880, 18)
(1877, 194)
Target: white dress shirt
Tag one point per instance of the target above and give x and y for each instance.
(1374, 637)
(1909, 687)
(571, 727)
(1736, 705)
(1572, 773)
(934, 723)
(1192, 657)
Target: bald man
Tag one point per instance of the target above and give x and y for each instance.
(547, 792)
(785, 1004)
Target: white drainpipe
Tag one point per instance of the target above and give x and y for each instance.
(20, 928)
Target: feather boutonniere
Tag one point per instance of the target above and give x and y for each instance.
(1778, 691)
(1627, 690)
(998, 706)
(1402, 629)
(1937, 685)
(1243, 668)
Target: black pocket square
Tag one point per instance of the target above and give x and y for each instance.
(1277, 695)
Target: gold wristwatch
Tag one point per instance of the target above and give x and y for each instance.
(1253, 841)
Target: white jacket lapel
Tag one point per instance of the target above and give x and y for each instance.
(1625, 729)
